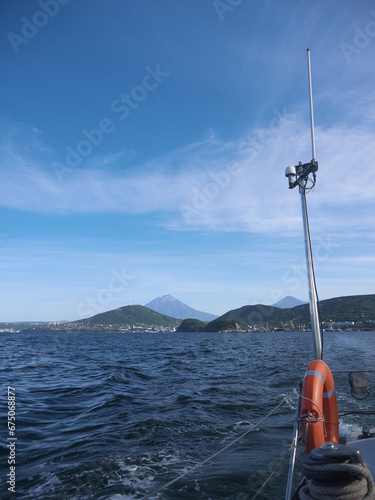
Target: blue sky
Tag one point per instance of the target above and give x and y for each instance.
(144, 144)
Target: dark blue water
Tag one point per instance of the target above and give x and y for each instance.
(115, 416)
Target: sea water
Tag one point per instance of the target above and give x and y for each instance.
(118, 415)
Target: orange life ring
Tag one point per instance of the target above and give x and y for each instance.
(319, 414)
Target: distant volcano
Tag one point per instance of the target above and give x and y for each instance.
(176, 309)
(288, 302)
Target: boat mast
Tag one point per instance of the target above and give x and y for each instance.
(302, 172)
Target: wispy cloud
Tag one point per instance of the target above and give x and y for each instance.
(220, 185)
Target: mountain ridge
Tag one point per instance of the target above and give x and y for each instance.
(288, 302)
(358, 309)
(169, 305)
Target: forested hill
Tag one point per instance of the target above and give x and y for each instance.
(132, 315)
(352, 308)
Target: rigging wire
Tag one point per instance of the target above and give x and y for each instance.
(312, 264)
(264, 484)
(254, 426)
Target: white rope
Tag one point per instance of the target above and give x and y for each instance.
(264, 484)
(290, 449)
(305, 418)
(218, 452)
(308, 399)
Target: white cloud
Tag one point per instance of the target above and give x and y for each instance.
(212, 184)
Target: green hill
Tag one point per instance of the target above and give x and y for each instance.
(256, 315)
(132, 315)
(217, 325)
(191, 325)
(221, 325)
(351, 308)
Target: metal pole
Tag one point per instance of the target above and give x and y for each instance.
(315, 327)
(311, 106)
(288, 494)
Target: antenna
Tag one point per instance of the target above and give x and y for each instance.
(311, 106)
(301, 173)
